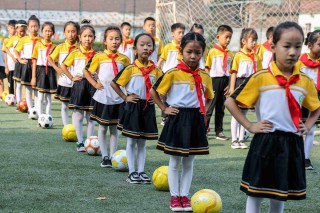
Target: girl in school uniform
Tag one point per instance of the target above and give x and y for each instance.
(108, 104)
(189, 93)
(26, 45)
(43, 75)
(58, 54)
(82, 91)
(244, 64)
(274, 167)
(138, 122)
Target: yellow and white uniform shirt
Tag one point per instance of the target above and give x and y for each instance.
(131, 78)
(11, 45)
(102, 65)
(157, 50)
(309, 71)
(10, 62)
(126, 48)
(265, 56)
(179, 86)
(1, 53)
(41, 51)
(27, 44)
(171, 55)
(271, 103)
(202, 63)
(215, 63)
(243, 65)
(58, 54)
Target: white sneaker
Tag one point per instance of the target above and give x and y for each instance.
(235, 145)
(242, 145)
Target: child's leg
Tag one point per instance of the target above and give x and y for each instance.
(11, 82)
(35, 93)
(276, 206)
(90, 125)
(77, 118)
(29, 96)
(102, 137)
(131, 143)
(40, 103)
(18, 91)
(186, 175)
(253, 204)
(48, 106)
(64, 113)
(113, 139)
(173, 175)
(308, 142)
(242, 129)
(234, 129)
(141, 154)
(1, 86)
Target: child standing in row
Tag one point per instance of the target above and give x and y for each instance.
(184, 134)
(108, 105)
(218, 65)
(244, 64)
(264, 53)
(82, 91)
(150, 26)
(43, 75)
(275, 167)
(58, 54)
(138, 122)
(126, 47)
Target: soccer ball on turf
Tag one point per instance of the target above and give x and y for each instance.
(45, 121)
(206, 200)
(32, 114)
(10, 100)
(4, 94)
(22, 106)
(160, 178)
(69, 133)
(91, 145)
(119, 161)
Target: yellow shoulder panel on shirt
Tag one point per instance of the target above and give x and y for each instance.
(172, 70)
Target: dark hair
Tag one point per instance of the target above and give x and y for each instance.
(246, 33)
(112, 28)
(140, 35)
(76, 25)
(177, 26)
(192, 36)
(12, 23)
(312, 37)
(21, 23)
(33, 18)
(196, 26)
(84, 25)
(284, 26)
(224, 28)
(48, 23)
(125, 24)
(148, 19)
(269, 32)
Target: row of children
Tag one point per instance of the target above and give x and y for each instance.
(123, 97)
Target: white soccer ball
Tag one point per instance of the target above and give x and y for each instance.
(45, 121)
(10, 100)
(91, 145)
(32, 114)
(119, 161)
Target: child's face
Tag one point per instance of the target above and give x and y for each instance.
(249, 43)
(192, 54)
(126, 31)
(288, 48)
(315, 48)
(113, 40)
(224, 38)
(87, 38)
(21, 31)
(144, 47)
(47, 32)
(71, 33)
(33, 27)
(149, 27)
(177, 34)
(11, 30)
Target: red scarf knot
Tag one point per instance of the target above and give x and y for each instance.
(225, 56)
(48, 46)
(114, 63)
(88, 55)
(267, 45)
(126, 42)
(70, 48)
(312, 64)
(251, 56)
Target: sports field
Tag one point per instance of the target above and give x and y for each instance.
(40, 172)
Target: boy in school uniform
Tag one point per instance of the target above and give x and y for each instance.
(126, 47)
(149, 27)
(171, 55)
(218, 65)
(264, 53)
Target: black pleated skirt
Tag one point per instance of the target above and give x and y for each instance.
(81, 95)
(107, 115)
(46, 82)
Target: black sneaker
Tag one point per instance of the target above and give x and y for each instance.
(106, 162)
(80, 147)
(308, 164)
(134, 178)
(221, 136)
(144, 178)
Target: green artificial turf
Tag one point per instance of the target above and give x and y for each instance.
(40, 172)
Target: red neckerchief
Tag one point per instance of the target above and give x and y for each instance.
(48, 46)
(267, 45)
(145, 73)
(312, 64)
(34, 41)
(126, 42)
(114, 64)
(251, 56)
(294, 107)
(198, 83)
(225, 56)
(89, 55)
(70, 48)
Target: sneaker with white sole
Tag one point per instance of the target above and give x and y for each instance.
(246, 135)
(308, 164)
(221, 136)
(80, 147)
(175, 204)
(106, 162)
(144, 178)
(134, 178)
(242, 145)
(185, 203)
(235, 145)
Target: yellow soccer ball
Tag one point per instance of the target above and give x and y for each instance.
(206, 200)
(69, 133)
(4, 94)
(119, 161)
(160, 178)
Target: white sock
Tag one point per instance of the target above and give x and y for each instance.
(77, 118)
(102, 137)
(39, 104)
(48, 103)
(253, 204)
(276, 206)
(141, 154)
(90, 125)
(234, 129)
(308, 142)
(242, 129)
(18, 91)
(173, 175)
(35, 94)
(64, 113)
(186, 175)
(113, 139)
(29, 96)
(130, 151)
